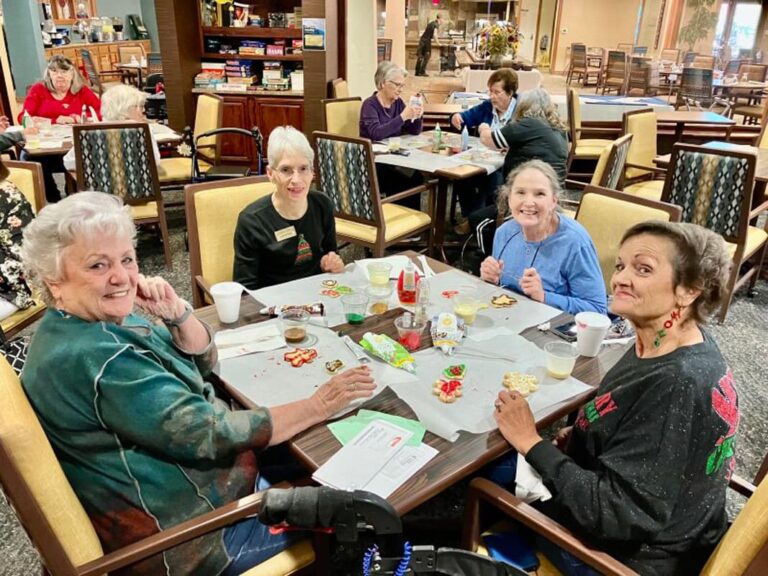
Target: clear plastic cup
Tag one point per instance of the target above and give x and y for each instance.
(294, 321)
(378, 298)
(409, 331)
(378, 273)
(394, 143)
(561, 358)
(466, 307)
(226, 296)
(355, 306)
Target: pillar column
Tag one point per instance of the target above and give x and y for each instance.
(361, 47)
(394, 28)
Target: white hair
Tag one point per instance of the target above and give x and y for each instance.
(60, 225)
(117, 102)
(387, 70)
(284, 139)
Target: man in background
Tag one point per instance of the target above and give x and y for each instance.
(425, 45)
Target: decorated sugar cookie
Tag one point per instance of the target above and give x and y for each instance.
(334, 366)
(300, 356)
(329, 283)
(330, 293)
(455, 372)
(449, 293)
(447, 390)
(524, 383)
(503, 301)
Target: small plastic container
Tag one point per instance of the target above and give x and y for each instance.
(409, 331)
(561, 358)
(378, 298)
(378, 273)
(355, 306)
(294, 321)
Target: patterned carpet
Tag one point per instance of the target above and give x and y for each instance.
(742, 340)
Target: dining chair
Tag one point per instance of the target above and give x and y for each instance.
(742, 551)
(688, 57)
(695, 86)
(752, 113)
(607, 214)
(640, 173)
(95, 76)
(339, 88)
(732, 67)
(58, 526)
(640, 50)
(703, 61)
(762, 138)
(626, 47)
(615, 75)
(347, 174)
(209, 115)
(154, 63)
(670, 55)
(578, 64)
(643, 76)
(581, 148)
(749, 97)
(212, 210)
(714, 188)
(117, 158)
(126, 53)
(342, 115)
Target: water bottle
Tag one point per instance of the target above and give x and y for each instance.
(84, 114)
(26, 120)
(437, 138)
(464, 138)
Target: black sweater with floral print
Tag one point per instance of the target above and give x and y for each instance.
(15, 214)
(645, 471)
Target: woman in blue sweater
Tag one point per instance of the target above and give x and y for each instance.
(543, 254)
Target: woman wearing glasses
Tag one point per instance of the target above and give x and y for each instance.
(291, 233)
(384, 113)
(541, 253)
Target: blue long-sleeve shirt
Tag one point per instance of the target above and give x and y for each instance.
(566, 262)
(484, 113)
(378, 123)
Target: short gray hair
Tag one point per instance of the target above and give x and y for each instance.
(60, 62)
(541, 166)
(285, 139)
(387, 70)
(700, 261)
(118, 100)
(60, 225)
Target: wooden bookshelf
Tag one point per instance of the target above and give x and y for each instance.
(277, 58)
(252, 32)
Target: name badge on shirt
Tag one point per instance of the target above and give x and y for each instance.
(285, 233)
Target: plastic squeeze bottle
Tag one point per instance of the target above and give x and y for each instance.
(406, 284)
(464, 138)
(437, 138)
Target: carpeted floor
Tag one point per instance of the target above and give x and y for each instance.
(742, 340)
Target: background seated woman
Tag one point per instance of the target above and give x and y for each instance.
(543, 254)
(122, 103)
(15, 214)
(536, 133)
(60, 98)
(290, 234)
(141, 436)
(643, 472)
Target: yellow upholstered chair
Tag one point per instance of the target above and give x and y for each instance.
(212, 211)
(342, 116)
(348, 176)
(209, 115)
(117, 158)
(56, 522)
(581, 148)
(640, 170)
(339, 88)
(743, 550)
(608, 214)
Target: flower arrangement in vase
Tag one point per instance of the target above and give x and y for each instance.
(498, 40)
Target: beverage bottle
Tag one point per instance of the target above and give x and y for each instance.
(437, 137)
(26, 120)
(406, 284)
(464, 138)
(422, 301)
(84, 114)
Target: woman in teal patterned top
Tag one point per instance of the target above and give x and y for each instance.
(141, 436)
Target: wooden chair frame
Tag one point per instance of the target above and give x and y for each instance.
(380, 244)
(603, 182)
(200, 286)
(158, 197)
(606, 77)
(37, 177)
(653, 171)
(95, 75)
(747, 213)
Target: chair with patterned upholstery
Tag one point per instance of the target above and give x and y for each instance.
(714, 189)
(55, 521)
(117, 158)
(212, 211)
(342, 115)
(209, 115)
(28, 178)
(640, 171)
(581, 148)
(348, 176)
(608, 214)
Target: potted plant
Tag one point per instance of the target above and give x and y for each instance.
(700, 23)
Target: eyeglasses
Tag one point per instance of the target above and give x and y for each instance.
(59, 72)
(288, 171)
(397, 85)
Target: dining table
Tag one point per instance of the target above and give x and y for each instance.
(456, 458)
(682, 119)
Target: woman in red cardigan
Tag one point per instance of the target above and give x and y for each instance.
(60, 98)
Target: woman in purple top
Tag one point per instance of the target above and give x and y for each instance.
(384, 113)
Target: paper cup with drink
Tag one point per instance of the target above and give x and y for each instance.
(591, 328)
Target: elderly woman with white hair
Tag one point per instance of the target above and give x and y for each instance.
(122, 103)
(142, 437)
(384, 113)
(291, 233)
